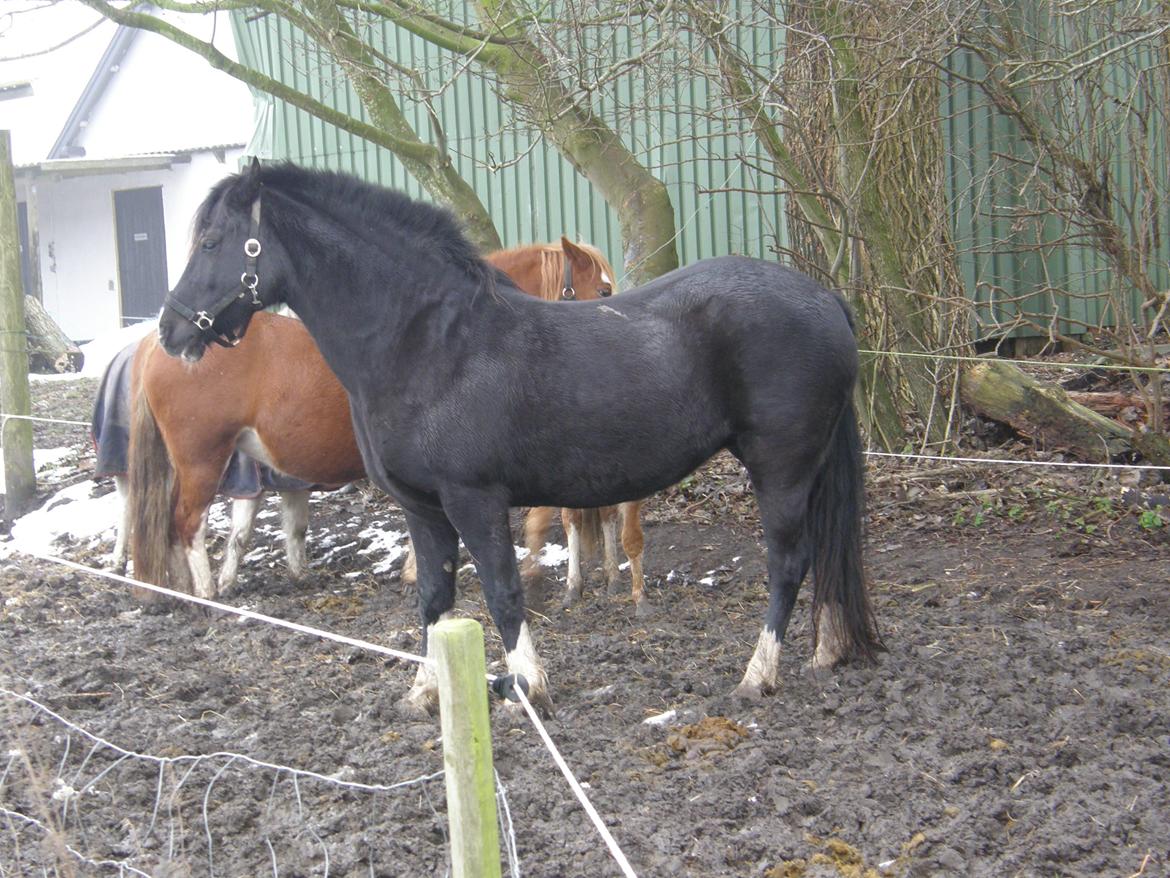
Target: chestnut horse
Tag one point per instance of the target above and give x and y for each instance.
(296, 421)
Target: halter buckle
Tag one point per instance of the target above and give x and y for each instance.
(203, 321)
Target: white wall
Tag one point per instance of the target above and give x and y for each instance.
(78, 252)
(165, 98)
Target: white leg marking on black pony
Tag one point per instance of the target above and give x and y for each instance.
(523, 660)
(424, 694)
(763, 671)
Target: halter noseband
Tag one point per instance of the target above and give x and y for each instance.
(204, 320)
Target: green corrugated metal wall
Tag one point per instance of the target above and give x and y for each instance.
(533, 194)
(1008, 260)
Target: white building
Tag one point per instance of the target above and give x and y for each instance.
(117, 136)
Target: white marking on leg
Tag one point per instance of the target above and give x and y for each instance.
(121, 539)
(243, 517)
(829, 646)
(294, 516)
(763, 671)
(424, 693)
(574, 581)
(523, 660)
(200, 565)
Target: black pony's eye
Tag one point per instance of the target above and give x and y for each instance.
(209, 244)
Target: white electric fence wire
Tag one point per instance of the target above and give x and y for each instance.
(121, 865)
(1068, 464)
(611, 843)
(207, 757)
(6, 417)
(507, 830)
(236, 611)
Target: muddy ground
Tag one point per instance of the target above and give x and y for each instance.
(1019, 723)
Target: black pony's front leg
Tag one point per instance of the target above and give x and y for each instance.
(481, 517)
(436, 548)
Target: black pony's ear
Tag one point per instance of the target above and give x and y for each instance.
(247, 187)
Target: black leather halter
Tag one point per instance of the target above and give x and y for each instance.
(249, 280)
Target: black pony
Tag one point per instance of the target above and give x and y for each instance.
(469, 397)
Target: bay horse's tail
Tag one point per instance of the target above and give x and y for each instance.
(836, 508)
(590, 534)
(150, 500)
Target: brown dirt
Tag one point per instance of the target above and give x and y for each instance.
(1018, 724)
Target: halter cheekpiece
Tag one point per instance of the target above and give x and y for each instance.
(204, 320)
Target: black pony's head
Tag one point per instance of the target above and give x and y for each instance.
(228, 275)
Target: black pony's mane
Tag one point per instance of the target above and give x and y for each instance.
(424, 228)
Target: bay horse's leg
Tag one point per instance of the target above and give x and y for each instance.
(197, 484)
(244, 511)
(571, 519)
(536, 525)
(610, 516)
(294, 519)
(481, 516)
(122, 538)
(436, 548)
(633, 542)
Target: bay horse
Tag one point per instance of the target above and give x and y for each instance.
(295, 421)
(469, 397)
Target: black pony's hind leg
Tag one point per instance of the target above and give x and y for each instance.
(436, 548)
(481, 517)
(783, 503)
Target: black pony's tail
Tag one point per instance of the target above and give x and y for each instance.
(836, 510)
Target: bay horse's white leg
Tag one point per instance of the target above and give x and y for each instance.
(244, 511)
(200, 564)
(609, 536)
(575, 583)
(122, 537)
(294, 518)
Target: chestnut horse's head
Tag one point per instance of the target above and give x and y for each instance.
(557, 272)
(587, 274)
(230, 274)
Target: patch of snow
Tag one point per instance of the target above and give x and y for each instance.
(73, 512)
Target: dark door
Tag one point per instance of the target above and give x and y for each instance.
(142, 253)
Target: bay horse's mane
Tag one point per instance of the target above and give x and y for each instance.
(371, 210)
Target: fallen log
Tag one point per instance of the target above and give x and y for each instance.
(49, 349)
(1046, 414)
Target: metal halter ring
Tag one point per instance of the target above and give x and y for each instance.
(568, 293)
(252, 248)
(203, 320)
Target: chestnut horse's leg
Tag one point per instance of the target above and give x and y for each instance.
(436, 552)
(481, 517)
(197, 483)
(122, 538)
(294, 518)
(575, 583)
(244, 511)
(632, 544)
(609, 530)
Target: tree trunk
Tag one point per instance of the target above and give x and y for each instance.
(1046, 414)
(49, 349)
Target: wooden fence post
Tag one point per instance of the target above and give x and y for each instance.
(457, 645)
(15, 435)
